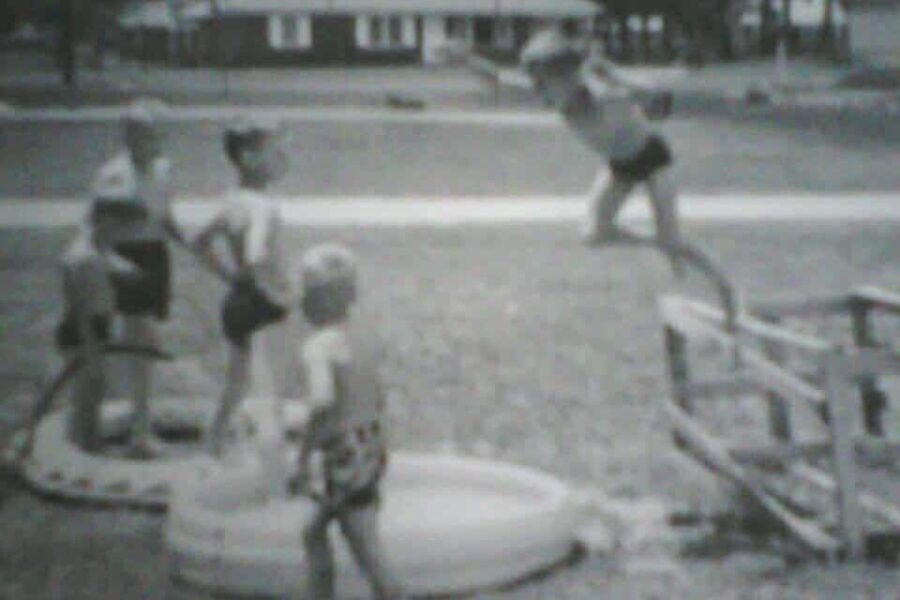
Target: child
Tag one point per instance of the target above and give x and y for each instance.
(141, 238)
(91, 272)
(346, 425)
(251, 225)
(598, 103)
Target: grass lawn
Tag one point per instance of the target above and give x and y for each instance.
(403, 159)
(511, 341)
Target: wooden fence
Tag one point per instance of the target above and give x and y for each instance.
(842, 376)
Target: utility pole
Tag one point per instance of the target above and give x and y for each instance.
(67, 43)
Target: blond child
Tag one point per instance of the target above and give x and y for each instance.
(144, 225)
(346, 425)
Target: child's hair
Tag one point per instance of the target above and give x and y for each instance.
(245, 133)
(329, 283)
(552, 49)
(144, 111)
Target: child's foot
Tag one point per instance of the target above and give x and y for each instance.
(598, 238)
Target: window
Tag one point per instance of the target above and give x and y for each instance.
(504, 35)
(459, 29)
(290, 32)
(386, 32)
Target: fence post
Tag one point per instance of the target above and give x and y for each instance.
(842, 445)
(779, 413)
(679, 373)
(872, 398)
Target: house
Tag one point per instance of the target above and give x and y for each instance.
(157, 31)
(761, 20)
(367, 32)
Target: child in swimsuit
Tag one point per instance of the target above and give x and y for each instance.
(600, 106)
(346, 424)
(145, 221)
(92, 275)
(251, 225)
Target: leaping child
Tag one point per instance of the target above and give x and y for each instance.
(602, 107)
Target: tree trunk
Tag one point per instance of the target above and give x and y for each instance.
(826, 33)
(625, 36)
(67, 43)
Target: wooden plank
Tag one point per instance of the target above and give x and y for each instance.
(758, 368)
(866, 451)
(841, 425)
(874, 505)
(712, 453)
(801, 306)
(877, 298)
(779, 412)
(779, 455)
(869, 393)
(757, 328)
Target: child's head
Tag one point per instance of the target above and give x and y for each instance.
(255, 149)
(140, 131)
(553, 62)
(329, 284)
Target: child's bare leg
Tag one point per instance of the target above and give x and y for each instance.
(138, 330)
(664, 200)
(607, 195)
(663, 197)
(238, 381)
(87, 395)
(360, 527)
(320, 562)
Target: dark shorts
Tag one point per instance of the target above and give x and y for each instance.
(245, 310)
(653, 156)
(151, 292)
(68, 336)
(361, 495)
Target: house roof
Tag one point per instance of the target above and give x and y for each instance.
(147, 14)
(536, 8)
(159, 14)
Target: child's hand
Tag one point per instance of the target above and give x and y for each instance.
(123, 268)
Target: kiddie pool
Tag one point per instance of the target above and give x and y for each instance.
(449, 525)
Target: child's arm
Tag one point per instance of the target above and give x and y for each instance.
(604, 79)
(320, 383)
(485, 68)
(170, 225)
(202, 247)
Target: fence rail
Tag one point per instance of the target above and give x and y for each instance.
(761, 344)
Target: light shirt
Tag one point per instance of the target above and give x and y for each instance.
(253, 225)
(607, 120)
(152, 189)
(343, 376)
